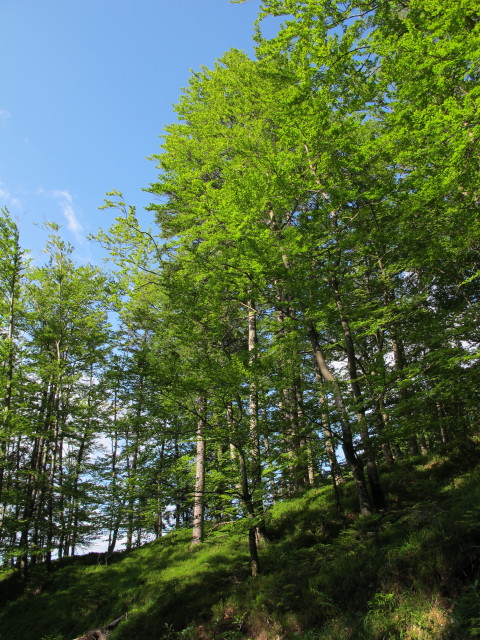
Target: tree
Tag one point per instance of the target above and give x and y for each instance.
(66, 324)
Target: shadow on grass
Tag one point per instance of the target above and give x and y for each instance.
(164, 582)
(325, 577)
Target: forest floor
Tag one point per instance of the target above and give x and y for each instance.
(411, 573)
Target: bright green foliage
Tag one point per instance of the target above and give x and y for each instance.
(326, 189)
(48, 502)
(310, 288)
(322, 183)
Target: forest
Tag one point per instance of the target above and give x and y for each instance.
(303, 315)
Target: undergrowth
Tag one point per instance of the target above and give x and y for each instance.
(410, 573)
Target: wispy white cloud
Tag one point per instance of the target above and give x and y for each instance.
(66, 204)
(65, 201)
(7, 199)
(5, 114)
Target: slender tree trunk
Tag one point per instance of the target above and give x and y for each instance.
(75, 508)
(51, 491)
(199, 494)
(254, 419)
(272, 484)
(35, 488)
(326, 429)
(9, 364)
(398, 352)
(305, 439)
(442, 417)
(159, 519)
(328, 437)
(115, 509)
(372, 471)
(132, 485)
(253, 397)
(178, 505)
(249, 504)
(383, 419)
(233, 448)
(351, 457)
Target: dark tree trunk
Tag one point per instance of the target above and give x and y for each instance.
(351, 456)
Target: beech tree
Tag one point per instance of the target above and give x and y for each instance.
(305, 309)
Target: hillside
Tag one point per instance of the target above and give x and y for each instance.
(411, 572)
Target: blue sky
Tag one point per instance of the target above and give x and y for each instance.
(86, 89)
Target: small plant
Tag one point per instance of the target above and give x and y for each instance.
(384, 601)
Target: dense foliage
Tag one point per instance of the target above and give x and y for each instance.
(305, 311)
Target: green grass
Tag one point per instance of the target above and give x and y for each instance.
(411, 573)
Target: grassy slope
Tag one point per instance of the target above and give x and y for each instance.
(412, 573)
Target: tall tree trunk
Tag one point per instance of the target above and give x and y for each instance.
(132, 486)
(382, 420)
(253, 397)
(372, 471)
(399, 360)
(254, 418)
(158, 526)
(249, 504)
(13, 281)
(50, 498)
(115, 509)
(199, 493)
(306, 453)
(351, 457)
(35, 487)
(335, 472)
